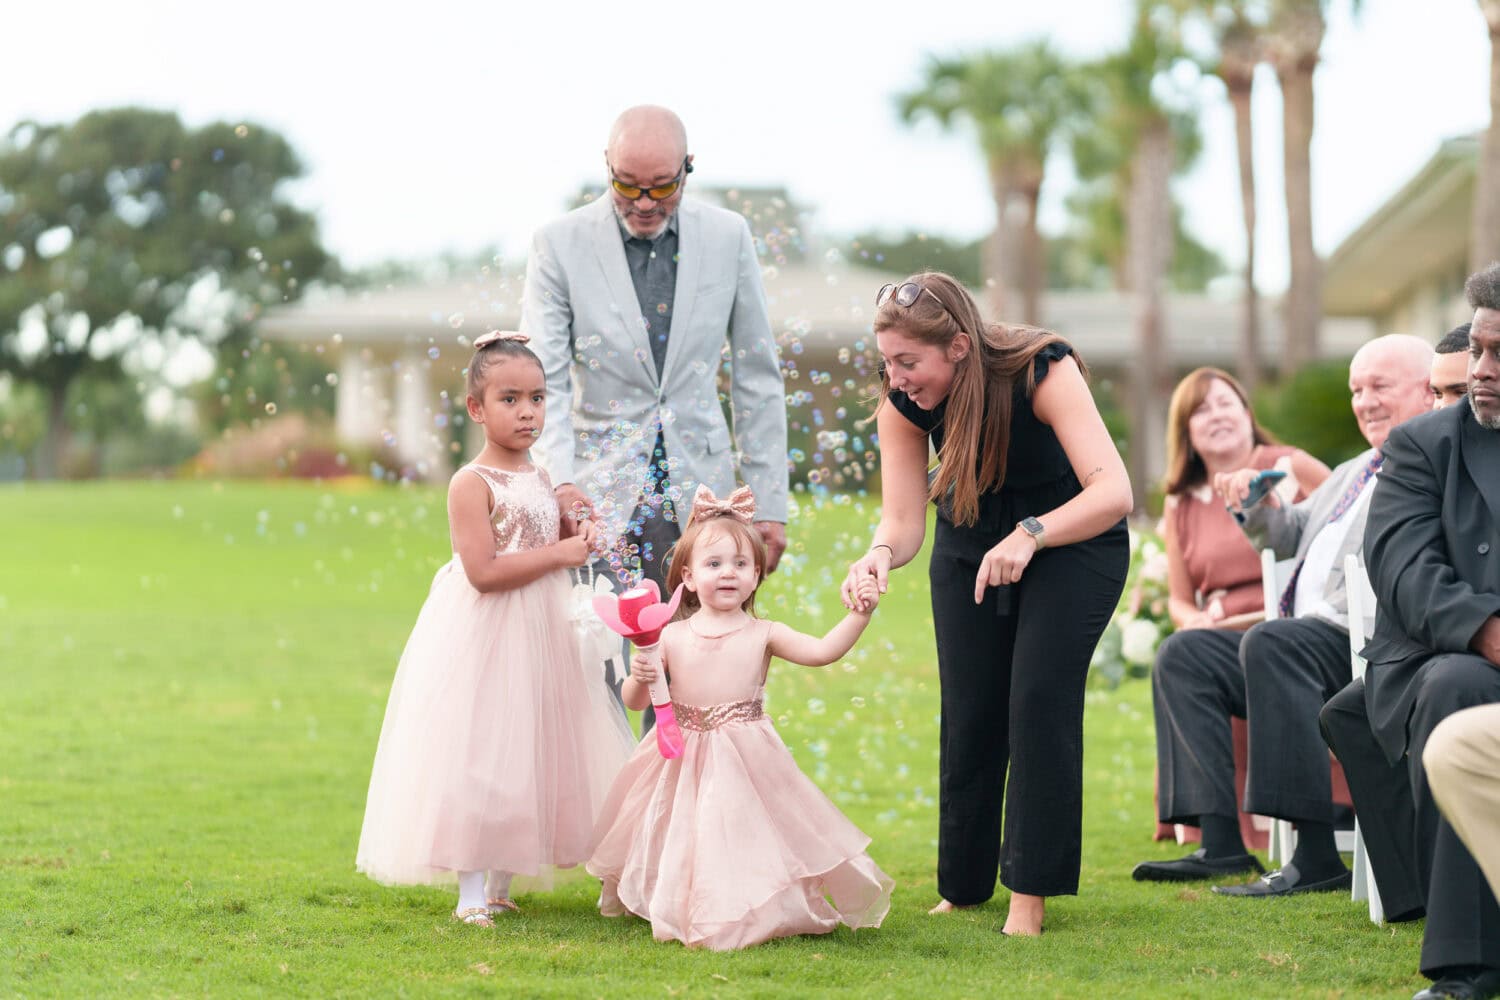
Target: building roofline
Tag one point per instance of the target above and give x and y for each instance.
(1359, 274)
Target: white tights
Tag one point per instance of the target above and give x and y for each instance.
(473, 890)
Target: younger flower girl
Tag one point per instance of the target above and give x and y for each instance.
(730, 844)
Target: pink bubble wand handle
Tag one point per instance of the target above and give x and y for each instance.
(639, 615)
(668, 734)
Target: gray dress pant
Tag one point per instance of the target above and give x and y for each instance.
(1276, 676)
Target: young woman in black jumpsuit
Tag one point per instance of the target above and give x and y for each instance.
(1028, 563)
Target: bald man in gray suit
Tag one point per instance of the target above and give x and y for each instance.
(633, 302)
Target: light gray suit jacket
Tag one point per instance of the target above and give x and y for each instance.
(1289, 531)
(604, 399)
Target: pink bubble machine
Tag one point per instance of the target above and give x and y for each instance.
(639, 615)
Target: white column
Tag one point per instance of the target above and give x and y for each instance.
(362, 403)
(417, 440)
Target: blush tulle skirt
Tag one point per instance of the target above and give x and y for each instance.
(498, 746)
(731, 845)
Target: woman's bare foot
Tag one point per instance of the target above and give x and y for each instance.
(1025, 916)
(946, 907)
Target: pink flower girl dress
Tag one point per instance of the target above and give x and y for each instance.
(498, 747)
(730, 844)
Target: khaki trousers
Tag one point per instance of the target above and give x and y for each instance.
(1462, 759)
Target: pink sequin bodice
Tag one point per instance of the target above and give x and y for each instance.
(524, 515)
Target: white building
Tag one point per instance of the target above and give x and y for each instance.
(400, 351)
(1404, 268)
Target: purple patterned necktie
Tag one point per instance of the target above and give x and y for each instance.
(1351, 494)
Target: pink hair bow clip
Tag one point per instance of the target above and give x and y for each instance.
(739, 505)
(494, 336)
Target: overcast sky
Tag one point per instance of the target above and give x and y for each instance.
(446, 125)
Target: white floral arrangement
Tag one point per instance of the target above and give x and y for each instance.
(1128, 646)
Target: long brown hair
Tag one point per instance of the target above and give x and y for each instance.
(1185, 468)
(976, 422)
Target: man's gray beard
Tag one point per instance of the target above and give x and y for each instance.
(620, 214)
(1488, 423)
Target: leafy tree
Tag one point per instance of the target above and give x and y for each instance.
(1020, 102)
(908, 253)
(1239, 32)
(125, 234)
(445, 266)
(1294, 36)
(1142, 134)
(1311, 407)
(22, 423)
(259, 379)
(1092, 253)
(1194, 263)
(1089, 255)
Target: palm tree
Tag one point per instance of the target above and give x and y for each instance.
(1138, 142)
(1484, 244)
(1294, 34)
(1239, 48)
(1018, 102)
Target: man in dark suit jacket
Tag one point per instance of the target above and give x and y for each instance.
(1432, 545)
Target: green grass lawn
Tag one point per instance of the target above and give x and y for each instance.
(192, 680)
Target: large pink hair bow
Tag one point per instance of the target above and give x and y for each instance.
(739, 505)
(485, 340)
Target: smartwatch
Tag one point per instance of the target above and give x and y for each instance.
(1034, 528)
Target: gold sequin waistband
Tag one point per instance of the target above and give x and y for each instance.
(702, 718)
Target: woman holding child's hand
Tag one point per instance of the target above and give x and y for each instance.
(1028, 562)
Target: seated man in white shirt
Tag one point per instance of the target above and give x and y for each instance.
(1278, 674)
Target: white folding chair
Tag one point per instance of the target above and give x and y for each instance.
(1277, 574)
(1361, 623)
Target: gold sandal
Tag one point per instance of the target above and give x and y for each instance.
(475, 916)
(505, 905)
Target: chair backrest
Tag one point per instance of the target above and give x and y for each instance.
(1361, 610)
(1274, 576)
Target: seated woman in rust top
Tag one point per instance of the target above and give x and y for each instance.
(1213, 571)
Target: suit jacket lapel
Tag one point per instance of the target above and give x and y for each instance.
(609, 246)
(1480, 450)
(689, 252)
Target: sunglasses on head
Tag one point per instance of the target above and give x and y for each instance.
(660, 192)
(906, 294)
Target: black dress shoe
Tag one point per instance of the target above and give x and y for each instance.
(1287, 881)
(1481, 984)
(1194, 867)
(1406, 916)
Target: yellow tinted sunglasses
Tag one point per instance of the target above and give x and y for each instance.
(659, 193)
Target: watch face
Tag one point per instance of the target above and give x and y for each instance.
(1031, 525)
